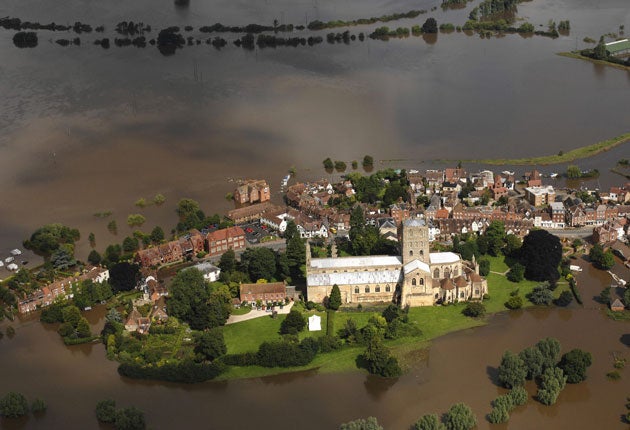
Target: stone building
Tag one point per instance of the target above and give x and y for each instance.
(416, 278)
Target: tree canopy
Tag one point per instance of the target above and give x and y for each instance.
(574, 364)
(460, 417)
(13, 405)
(47, 239)
(541, 254)
(512, 371)
(124, 276)
(369, 423)
(334, 301)
(210, 344)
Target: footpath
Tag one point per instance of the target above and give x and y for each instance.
(254, 313)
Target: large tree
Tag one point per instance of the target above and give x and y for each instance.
(124, 276)
(541, 254)
(259, 263)
(550, 349)
(188, 299)
(574, 364)
(334, 301)
(512, 371)
(534, 361)
(210, 344)
(47, 239)
(460, 417)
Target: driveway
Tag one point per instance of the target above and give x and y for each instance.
(257, 314)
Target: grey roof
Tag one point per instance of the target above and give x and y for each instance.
(205, 268)
(416, 264)
(414, 222)
(345, 262)
(354, 278)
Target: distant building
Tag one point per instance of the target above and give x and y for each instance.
(252, 191)
(228, 238)
(266, 292)
(539, 196)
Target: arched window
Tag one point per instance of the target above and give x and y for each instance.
(413, 281)
(455, 272)
(421, 281)
(447, 273)
(388, 288)
(367, 289)
(461, 295)
(378, 288)
(436, 273)
(411, 252)
(421, 253)
(356, 290)
(437, 296)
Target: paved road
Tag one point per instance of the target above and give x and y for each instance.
(257, 314)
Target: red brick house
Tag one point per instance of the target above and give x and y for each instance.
(228, 238)
(271, 292)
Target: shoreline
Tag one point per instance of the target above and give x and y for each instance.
(576, 56)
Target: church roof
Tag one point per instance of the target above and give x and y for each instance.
(461, 282)
(344, 262)
(443, 257)
(354, 278)
(414, 265)
(414, 222)
(446, 284)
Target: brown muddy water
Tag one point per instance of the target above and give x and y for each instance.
(84, 130)
(457, 367)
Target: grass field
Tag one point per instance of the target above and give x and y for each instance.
(434, 321)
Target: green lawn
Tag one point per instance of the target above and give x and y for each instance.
(497, 264)
(241, 310)
(433, 321)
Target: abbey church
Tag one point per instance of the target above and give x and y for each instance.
(416, 278)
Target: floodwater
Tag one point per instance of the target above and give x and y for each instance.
(83, 130)
(460, 367)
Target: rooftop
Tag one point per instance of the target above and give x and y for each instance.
(356, 278)
(443, 257)
(371, 261)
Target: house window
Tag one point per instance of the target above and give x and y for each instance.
(367, 289)
(413, 281)
(388, 288)
(378, 289)
(356, 290)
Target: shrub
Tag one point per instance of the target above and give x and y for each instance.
(574, 364)
(293, 323)
(515, 302)
(13, 405)
(38, 406)
(474, 310)
(429, 422)
(516, 273)
(614, 375)
(106, 411)
(460, 417)
(541, 295)
(565, 299)
(503, 402)
(518, 395)
(512, 371)
(361, 424)
(498, 415)
(130, 418)
(329, 343)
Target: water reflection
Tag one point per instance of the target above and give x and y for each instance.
(376, 387)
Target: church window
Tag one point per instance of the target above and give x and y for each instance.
(477, 292)
(378, 289)
(421, 281)
(367, 289)
(455, 272)
(411, 252)
(421, 253)
(461, 295)
(447, 273)
(388, 288)
(436, 273)
(356, 290)
(413, 281)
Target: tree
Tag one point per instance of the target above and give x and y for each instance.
(534, 361)
(335, 298)
(130, 244)
(460, 417)
(574, 364)
(94, 257)
(135, 220)
(484, 267)
(519, 396)
(512, 371)
(599, 52)
(293, 323)
(92, 240)
(565, 299)
(429, 422)
(130, 418)
(112, 255)
(47, 239)
(157, 235)
(210, 344)
(190, 215)
(541, 254)
(124, 276)
(495, 233)
(573, 172)
(541, 295)
(552, 383)
(379, 361)
(430, 26)
(189, 297)
(550, 349)
(515, 302)
(106, 411)
(328, 164)
(259, 263)
(603, 260)
(516, 273)
(498, 415)
(368, 161)
(13, 405)
(62, 258)
(369, 423)
(474, 309)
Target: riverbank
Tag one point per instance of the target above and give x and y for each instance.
(433, 321)
(577, 56)
(561, 157)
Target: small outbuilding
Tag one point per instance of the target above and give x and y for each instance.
(314, 323)
(615, 306)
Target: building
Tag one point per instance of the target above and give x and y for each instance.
(209, 271)
(265, 292)
(539, 196)
(416, 278)
(608, 233)
(228, 238)
(250, 213)
(252, 191)
(618, 48)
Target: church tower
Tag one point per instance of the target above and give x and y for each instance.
(415, 241)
